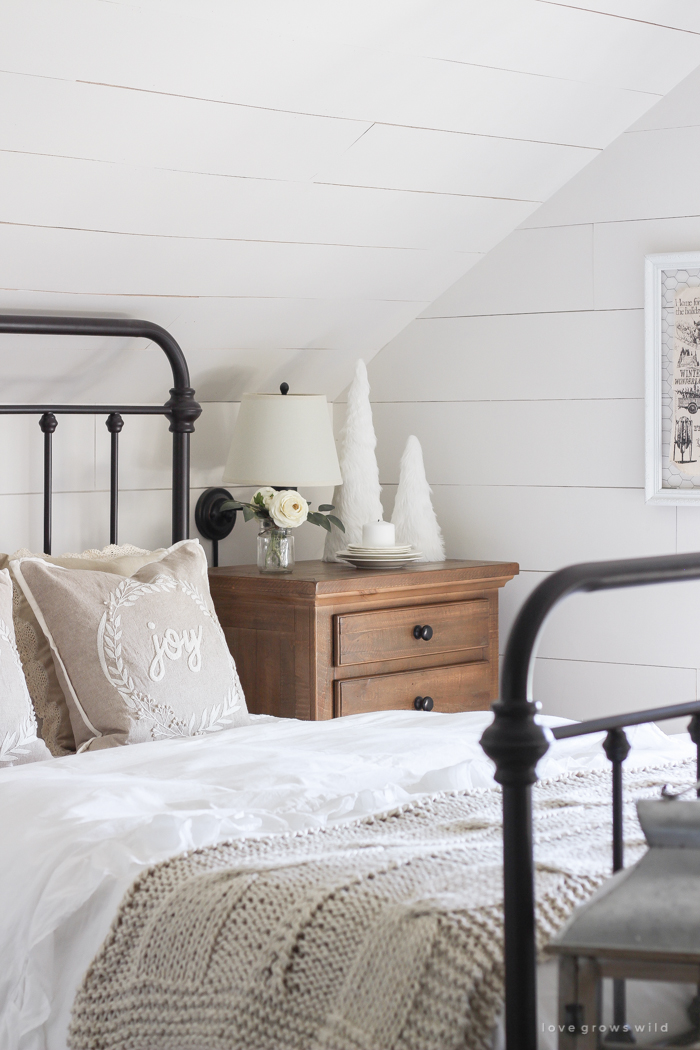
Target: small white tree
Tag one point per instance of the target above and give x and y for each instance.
(357, 501)
(413, 515)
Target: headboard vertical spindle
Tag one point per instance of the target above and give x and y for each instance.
(48, 424)
(114, 424)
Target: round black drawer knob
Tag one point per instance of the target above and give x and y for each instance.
(423, 703)
(426, 633)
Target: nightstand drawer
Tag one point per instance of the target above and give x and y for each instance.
(388, 634)
(463, 687)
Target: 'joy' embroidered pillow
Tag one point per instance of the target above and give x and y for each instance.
(19, 742)
(141, 657)
(50, 704)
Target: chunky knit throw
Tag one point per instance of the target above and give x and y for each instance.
(381, 934)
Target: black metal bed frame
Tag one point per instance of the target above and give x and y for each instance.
(181, 410)
(515, 742)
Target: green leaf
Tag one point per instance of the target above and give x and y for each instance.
(248, 512)
(231, 504)
(326, 506)
(319, 519)
(337, 522)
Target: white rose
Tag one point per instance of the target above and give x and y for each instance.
(266, 495)
(288, 509)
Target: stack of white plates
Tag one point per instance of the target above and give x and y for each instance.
(380, 557)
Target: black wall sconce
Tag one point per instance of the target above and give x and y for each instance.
(212, 522)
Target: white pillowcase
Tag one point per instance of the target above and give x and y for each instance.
(50, 704)
(19, 742)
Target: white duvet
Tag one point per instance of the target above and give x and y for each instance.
(75, 832)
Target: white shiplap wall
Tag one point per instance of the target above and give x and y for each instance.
(524, 383)
(283, 185)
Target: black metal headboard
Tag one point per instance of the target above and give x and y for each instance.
(181, 409)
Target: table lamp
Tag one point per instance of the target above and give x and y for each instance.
(283, 440)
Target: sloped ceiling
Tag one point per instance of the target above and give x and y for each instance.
(286, 185)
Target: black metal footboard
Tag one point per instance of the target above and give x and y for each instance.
(516, 743)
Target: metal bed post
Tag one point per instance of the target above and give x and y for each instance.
(694, 733)
(516, 743)
(617, 748)
(181, 492)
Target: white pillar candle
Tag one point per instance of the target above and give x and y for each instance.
(378, 534)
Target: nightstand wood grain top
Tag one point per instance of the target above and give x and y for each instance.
(318, 577)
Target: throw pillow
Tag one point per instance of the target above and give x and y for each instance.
(140, 657)
(50, 705)
(19, 742)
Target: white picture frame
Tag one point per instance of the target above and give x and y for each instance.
(662, 274)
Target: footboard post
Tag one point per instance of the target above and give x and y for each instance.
(694, 733)
(516, 743)
(617, 747)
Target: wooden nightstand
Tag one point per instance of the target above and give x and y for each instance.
(329, 640)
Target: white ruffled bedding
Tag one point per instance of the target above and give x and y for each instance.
(75, 832)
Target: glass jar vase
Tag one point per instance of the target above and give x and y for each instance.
(275, 549)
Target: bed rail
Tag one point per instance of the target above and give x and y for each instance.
(516, 743)
(181, 410)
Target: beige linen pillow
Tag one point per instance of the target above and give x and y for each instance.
(19, 742)
(50, 704)
(140, 657)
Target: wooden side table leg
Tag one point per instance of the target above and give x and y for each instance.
(579, 1003)
(569, 1006)
(589, 996)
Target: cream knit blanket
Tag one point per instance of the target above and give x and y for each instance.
(381, 934)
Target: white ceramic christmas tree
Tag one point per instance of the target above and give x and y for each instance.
(357, 501)
(413, 515)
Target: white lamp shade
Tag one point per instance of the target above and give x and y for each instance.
(283, 440)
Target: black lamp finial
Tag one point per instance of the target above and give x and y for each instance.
(284, 388)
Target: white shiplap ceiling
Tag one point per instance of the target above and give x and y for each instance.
(286, 185)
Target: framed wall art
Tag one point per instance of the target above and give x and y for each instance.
(672, 324)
